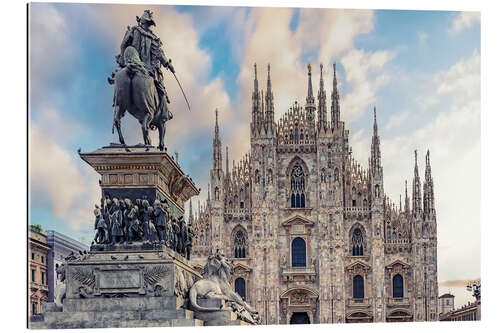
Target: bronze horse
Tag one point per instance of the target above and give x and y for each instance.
(135, 92)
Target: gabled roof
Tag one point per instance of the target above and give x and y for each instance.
(240, 266)
(400, 262)
(357, 263)
(297, 219)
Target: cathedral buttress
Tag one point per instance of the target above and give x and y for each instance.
(335, 109)
(377, 212)
(269, 124)
(322, 121)
(216, 190)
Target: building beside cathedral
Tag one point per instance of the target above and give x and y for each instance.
(313, 236)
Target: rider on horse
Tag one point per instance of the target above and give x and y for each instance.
(149, 48)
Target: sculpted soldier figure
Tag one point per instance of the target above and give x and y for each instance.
(127, 222)
(148, 228)
(116, 218)
(106, 206)
(175, 234)
(160, 221)
(101, 235)
(134, 228)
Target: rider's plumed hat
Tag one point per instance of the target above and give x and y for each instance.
(147, 17)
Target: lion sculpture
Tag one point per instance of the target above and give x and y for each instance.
(215, 285)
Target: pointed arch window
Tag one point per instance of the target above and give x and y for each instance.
(216, 193)
(298, 184)
(357, 242)
(358, 287)
(240, 243)
(240, 287)
(298, 252)
(397, 286)
(336, 175)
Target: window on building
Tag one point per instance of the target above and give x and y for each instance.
(240, 287)
(32, 256)
(397, 286)
(358, 287)
(33, 308)
(298, 252)
(43, 277)
(240, 244)
(297, 179)
(336, 174)
(32, 275)
(357, 242)
(43, 259)
(447, 302)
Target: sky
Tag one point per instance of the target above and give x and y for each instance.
(421, 69)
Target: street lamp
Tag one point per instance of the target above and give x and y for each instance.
(475, 288)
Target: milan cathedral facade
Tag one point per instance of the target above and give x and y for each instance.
(313, 236)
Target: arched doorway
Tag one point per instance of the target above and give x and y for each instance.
(299, 318)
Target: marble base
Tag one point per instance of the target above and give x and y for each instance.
(127, 287)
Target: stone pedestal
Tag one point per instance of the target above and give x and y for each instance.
(225, 316)
(125, 288)
(141, 173)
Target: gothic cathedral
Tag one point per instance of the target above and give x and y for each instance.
(313, 236)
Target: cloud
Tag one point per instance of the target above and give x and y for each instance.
(422, 37)
(56, 176)
(465, 20)
(366, 73)
(456, 283)
(397, 119)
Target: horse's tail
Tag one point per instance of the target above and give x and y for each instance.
(193, 294)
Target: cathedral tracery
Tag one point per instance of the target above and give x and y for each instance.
(357, 241)
(240, 242)
(297, 187)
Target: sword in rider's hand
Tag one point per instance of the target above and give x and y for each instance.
(173, 72)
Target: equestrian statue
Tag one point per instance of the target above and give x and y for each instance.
(139, 87)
